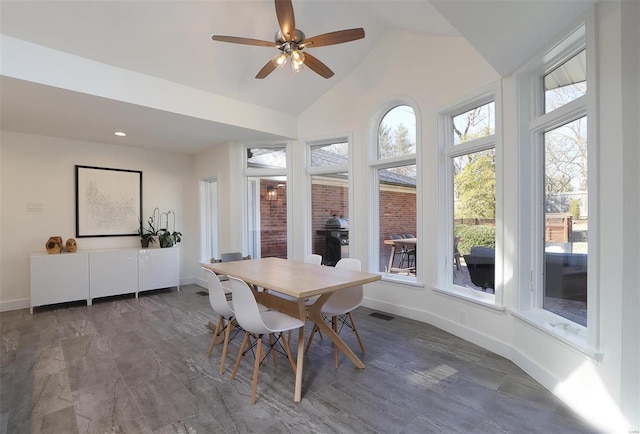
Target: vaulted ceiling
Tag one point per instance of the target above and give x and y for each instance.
(170, 40)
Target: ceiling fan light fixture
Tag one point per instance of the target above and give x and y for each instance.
(297, 56)
(297, 60)
(280, 60)
(296, 65)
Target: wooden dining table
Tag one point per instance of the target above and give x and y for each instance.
(299, 281)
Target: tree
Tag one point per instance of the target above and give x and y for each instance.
(565, 154)
(476, 188)
(397, 142)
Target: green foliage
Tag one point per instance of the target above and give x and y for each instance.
(476, 186)
(167, 238)
(474, 235)
(574, 209)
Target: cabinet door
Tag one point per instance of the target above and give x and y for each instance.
(158, 268)
(59, 278)
(113, 272)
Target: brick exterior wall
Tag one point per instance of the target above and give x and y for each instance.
(397, 216)
(273, 221)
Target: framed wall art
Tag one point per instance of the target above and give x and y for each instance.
(108, 202)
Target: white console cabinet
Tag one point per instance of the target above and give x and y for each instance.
(59, 278)
(89, 274)
(158, 268)
(113, 272)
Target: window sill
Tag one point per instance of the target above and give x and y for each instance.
(565, 331)
(467, 294)
(405, 280)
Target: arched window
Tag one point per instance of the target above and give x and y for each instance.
(395, 173)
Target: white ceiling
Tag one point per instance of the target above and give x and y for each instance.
(171, 40)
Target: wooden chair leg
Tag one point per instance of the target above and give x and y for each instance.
(287, 348)
(225, 346)
(313, 332)
(334, 323)
(256, 367)
(215, 336)
(242, 345)
(355, 329)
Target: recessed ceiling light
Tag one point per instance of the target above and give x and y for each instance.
(120, 134)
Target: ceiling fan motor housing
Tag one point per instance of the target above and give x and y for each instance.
(281, 40)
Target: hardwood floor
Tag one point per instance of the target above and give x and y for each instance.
(127, 365)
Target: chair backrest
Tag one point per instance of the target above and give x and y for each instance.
(408, 236)
(350, 264)
(313, 259)
(395, 237)
(246, 308)
(229, 257)
(217, 296)
(350, 297)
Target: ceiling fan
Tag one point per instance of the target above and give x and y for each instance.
(291, 41)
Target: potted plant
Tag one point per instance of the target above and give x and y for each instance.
(147, 235)
(166, 237)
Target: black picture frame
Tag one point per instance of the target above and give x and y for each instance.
(108, 202)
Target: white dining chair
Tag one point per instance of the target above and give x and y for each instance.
(340, 305)
(313, 258)
(258, 323)
(224, 309)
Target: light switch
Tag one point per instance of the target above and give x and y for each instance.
(35, 207)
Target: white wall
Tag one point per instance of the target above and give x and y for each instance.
(42, 169)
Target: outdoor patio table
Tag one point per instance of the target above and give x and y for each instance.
(392, 256)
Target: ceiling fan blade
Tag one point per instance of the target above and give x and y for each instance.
(286, 19)
(266, 70)
(245, 41)
(317, 66)
(333, 38)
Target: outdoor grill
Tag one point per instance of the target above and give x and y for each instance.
(337, 240)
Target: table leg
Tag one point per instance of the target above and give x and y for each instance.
(299, 362)
(315, 315)
(392, 256)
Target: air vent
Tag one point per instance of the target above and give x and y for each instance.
(382, 316)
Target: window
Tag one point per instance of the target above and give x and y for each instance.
(566, 221)
(555, 150)
(327, 170)
(470, 198)
(566, 82)
(266, 176)
(395, 173)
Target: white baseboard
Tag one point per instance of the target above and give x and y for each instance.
(15, 304)
(199, 281)
(501, 348)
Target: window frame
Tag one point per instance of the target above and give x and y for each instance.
(311, 171)
(533, 124)
(448, 151)
(252, 172)
(375, 165)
